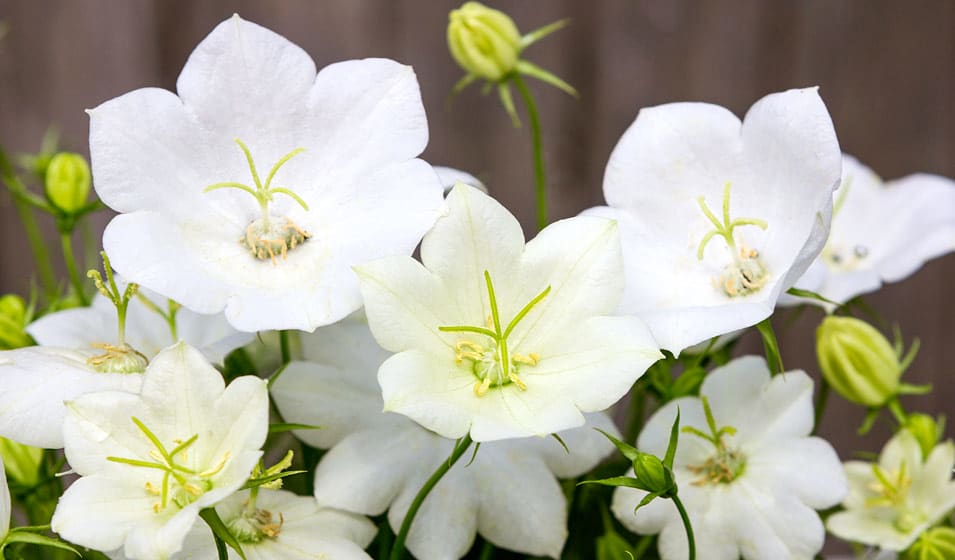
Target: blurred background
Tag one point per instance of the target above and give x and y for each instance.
(886, 70)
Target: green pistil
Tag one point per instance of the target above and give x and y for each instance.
(725, 228)
(727, 464)
(488, 361)
(119, 357)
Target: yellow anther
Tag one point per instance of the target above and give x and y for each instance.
(215, 470)
(481, 387)
(157, 456)
(517, 381)
(528, 360)
(157, 507)
(152, 490)
(192, 489)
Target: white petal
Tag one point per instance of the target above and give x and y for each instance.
(858, 526)
(477, 235)
(770, 525)
(347, 345)
(807, 467)
(587, 447)
(449, 176)
(77, 328)
(246, 79)
(37, 380)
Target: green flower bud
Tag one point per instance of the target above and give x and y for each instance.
(483, 41)
(935, 544)
(651, 471)
(68, 181)
(857, 361)
(14, 317)
(927, 431)
(21, 462)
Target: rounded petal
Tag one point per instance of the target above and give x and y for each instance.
(449, 176)
(37, 381)
(807, 467)
(588, 448)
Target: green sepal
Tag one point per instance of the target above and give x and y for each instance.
(770, 346)
(808, 294)
(221, 533)
(671, 445)
(275, 376)
(647, 499)
(910, 389)
(27, 536)
(280, 427)
(504, 92)
(870, 416)
(532, 37)
(561, 442)
(629, 451)
(262, 480)
(534, 71)
(618, 481)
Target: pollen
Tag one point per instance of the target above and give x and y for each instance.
(273, 239)
(121, 358)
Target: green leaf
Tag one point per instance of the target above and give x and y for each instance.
(671, 446)
(646, 500)
(624, 481)
(535, 71)
(259, 481)
(799, 292)
(770, 346)
(280, 427)
(561, 442)
(275, 376)
(629, 451)
(221, 532)
(25, 536)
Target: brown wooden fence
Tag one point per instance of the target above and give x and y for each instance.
(886, 70)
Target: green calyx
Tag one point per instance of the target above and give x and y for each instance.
(492, 362)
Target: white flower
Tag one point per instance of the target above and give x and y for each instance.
(500, 340)
(36, 380)
(718, 217)
(283, 526)
(258, 187)
(749, 492)
(881, 232)
(150, 461)
(378, 460)
(5, 508)
(449, 176)
(892, 502)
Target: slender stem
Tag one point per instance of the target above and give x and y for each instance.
(37, 246)
(398, 550)
(638, 405)
(895, 407)
(66, 240)
(487, 551)
(284, 347)
(538, 151)
(686, 524)
(642, 545)
(821, 401)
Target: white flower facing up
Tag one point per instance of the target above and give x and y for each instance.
(149, 462)
(259, 186)
(749, 474)
(718, 217)
(78, 354)
(891, 503)
(378, 460)
(500, 340)
(881, 232)
(283, 526)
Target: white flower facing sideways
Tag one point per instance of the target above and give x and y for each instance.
(259, 186)
(79, 351)
(719, 217)
(890, 503)
(149, 462)
(881, 232)
(749, 473)
(378, 461)
(283, 526)
(497, 339)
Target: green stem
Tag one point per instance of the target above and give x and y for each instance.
(686, 524)
(895, 407)
(66, 240)
(284, 347)
(37, 246)
(638, 405)
(539, 178)
(398, 550)
(487, 551)
(821, 401)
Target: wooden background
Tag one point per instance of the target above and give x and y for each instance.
(886, 70)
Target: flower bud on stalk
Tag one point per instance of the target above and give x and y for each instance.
(927, 431)
(14, 317)
(68, 182)
(857, 361)
(484, 41)
(934, 543)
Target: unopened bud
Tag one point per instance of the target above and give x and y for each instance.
(651, 471)
(14, 317)
(21, 462)
(68, 181)
(857, 361)
(483, 41)
(927, 431)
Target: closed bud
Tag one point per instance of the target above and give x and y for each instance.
(68, 181)
(936, 543)
(927, 431)
(651, 471)
(483, 41)
(21, 462)
(14, 317)
(857, 361)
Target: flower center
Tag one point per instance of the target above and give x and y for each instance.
(492, 363)
(118, 359)
(746, 274)
(179, 485)
(891, 489)
(727, 464)
(254, 525)
(268, 237)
